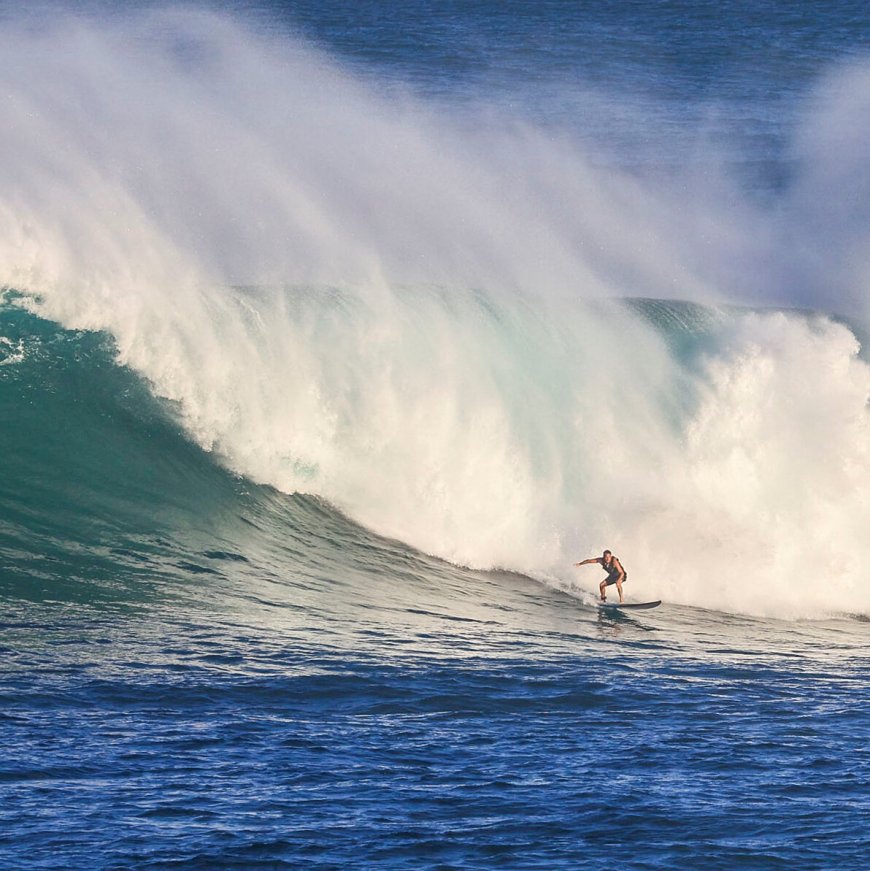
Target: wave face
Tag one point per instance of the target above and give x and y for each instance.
(241, 251)
(516, 436)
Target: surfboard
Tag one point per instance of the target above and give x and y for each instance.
(630, 606)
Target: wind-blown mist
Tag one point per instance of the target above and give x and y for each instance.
(351, 293)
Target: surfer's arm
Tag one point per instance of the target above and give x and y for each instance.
(587, 562)
(618, 565)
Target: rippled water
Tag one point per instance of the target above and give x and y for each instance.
(525, 731)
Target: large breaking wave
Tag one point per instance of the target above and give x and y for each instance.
(352, 294)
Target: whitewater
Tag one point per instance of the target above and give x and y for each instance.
(330, 342)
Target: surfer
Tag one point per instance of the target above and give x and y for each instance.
(615, 572)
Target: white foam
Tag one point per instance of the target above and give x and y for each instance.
(11, 351)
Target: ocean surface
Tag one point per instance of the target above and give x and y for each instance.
(333, 334)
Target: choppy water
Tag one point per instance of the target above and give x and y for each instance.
(533, 733)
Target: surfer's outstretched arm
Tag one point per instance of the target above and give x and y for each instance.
(586, 562)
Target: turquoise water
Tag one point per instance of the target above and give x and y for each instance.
(332, 336)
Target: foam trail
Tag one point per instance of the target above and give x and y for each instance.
(151, 162)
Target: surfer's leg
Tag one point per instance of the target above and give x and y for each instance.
(619, 590)
(601, 587)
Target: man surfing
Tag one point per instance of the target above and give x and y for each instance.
(615, 572)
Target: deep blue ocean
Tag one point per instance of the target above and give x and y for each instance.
(333, 334)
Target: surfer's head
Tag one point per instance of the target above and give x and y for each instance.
(607, 554)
